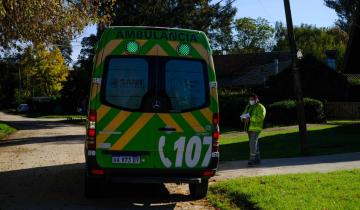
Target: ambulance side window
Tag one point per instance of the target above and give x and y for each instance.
(126, 82)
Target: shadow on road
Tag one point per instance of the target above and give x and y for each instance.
(61, 139)
(61, 187)
(34, 124)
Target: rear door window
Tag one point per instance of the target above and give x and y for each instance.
(185, 84)
(126, 82)
(140, 83)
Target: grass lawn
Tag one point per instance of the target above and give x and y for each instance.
(335, 190)
(334, 137)
(5, 130)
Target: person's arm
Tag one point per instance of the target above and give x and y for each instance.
(245, 110)
(245, 120)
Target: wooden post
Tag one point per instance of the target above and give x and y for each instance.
(297, 81)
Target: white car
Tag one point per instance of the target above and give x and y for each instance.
(23, 108)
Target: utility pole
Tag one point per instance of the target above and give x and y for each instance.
(297, 82)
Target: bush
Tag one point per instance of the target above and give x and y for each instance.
(278, 113)
(354, 91)
(284, 112)
(314, 111)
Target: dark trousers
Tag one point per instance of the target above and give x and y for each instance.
(254, 145)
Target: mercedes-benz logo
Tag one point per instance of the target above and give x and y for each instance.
(156, 104)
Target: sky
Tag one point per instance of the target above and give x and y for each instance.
(312, 12)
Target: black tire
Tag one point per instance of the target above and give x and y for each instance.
(91, 187)
(199, 190)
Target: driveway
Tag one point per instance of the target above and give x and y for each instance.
(41, 167)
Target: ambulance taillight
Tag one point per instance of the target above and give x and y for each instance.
(216, 132)
(91, 135)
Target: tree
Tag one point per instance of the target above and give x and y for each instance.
(253, 35)
(43, 71)
(87, 50)
(346, 9)
(313, 40)
(77, 87)
(65, 49)
(213, 19)
(46, 22)
(8, 80)
(280, 37)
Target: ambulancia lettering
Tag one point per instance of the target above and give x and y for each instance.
(164, 35)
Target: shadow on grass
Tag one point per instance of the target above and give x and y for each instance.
(340, 139)
(61, 187)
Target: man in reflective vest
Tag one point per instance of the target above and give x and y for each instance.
(253, 119)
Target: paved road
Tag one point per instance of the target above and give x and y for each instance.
(41, 167)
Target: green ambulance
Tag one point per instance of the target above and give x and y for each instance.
(153, 109)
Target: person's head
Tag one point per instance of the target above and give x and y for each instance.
(253, 99)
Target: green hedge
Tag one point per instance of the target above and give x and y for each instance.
(284, 112)
(278, 113)
(231, 107)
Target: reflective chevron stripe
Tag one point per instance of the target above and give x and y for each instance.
(191, 120)
(132, 131)
(111, 127)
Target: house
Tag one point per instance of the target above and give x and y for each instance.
(237, 70)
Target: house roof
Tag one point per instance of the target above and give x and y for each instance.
(235, 64)
(249, 69)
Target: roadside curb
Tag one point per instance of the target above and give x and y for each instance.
(321, 163)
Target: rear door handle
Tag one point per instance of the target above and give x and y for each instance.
(167, 129)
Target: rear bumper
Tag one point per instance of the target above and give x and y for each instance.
(153, 175)
(123, 179)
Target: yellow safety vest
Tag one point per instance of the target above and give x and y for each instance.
(257, 115)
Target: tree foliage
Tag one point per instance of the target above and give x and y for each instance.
(253, 35)
(47, 21)
(213, 18)
(77, 87)
(280, 37)
(43, 71)
(87, 49)
(65, 49)
(346, 10)
(8, 80)
(313, 40)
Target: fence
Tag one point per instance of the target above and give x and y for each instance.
(342, 110)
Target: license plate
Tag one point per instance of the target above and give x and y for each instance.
(126, 159)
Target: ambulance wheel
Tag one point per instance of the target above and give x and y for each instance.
(199, 190)
(92, 187)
